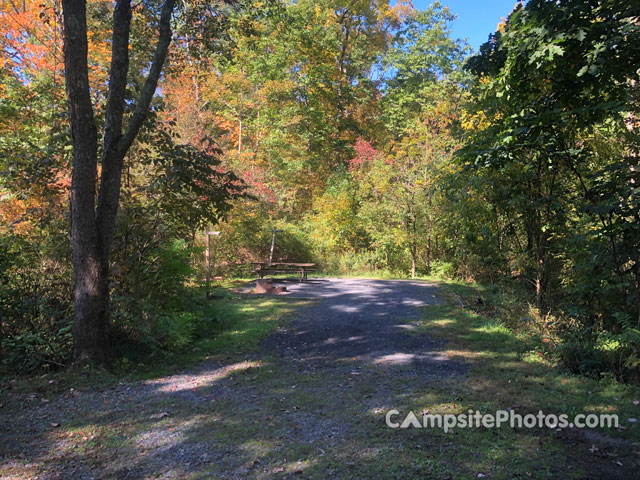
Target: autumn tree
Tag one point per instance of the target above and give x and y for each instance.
(421, 106)
(93, 221)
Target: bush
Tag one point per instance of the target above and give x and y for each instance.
(443, 269)
(35, 292)
(607, 354)
(150, 289)
(176, 332)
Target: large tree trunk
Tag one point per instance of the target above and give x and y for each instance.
(90, 297)
(93, 226)
(91, 305)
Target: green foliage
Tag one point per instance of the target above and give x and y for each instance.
(440, 269)
(176, 332)
(34, 305)
(422, 53)
(554, 156)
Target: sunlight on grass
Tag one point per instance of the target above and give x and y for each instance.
(535, 357)
(491, 326)
(444, 322)
(508, 369)
(257, 447)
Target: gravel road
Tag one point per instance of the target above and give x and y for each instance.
(370, 321)
(307, 401)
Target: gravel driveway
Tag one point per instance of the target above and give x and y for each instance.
(309, 403)
(365, 320)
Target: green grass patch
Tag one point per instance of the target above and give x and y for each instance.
(235, 324)
(507, 370)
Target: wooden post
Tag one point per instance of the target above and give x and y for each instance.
(207, 262)
(207, 258)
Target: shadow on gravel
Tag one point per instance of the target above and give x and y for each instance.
(370, 321)
(237, 418)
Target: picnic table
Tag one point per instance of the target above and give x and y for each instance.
(264, 268)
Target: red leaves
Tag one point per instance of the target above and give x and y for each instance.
(365, 153)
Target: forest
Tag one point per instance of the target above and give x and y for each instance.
(376, 143)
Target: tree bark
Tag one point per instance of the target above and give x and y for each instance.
(90, 309)
(93, 227)
(413, 262)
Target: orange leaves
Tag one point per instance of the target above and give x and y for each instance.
(20, 213)
(31, 38)
(12, 214)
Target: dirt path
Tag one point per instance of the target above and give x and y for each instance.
(310, 403)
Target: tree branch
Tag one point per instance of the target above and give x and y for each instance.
(117, 144)
(117, 76)
(83, 127)
(142, 107)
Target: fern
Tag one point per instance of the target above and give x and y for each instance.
(629, 336)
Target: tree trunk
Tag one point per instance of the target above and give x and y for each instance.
(429, 218)
(1, 328)
(91, 306)
(539, 281)
(90, 339)
(637, 268)
(413, 262)
(541, 271)
(93, 227)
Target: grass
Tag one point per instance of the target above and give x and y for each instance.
(506, 365)
(519, 367)
(508, 369)
(512, 353)
(240, 323)
(233, 325)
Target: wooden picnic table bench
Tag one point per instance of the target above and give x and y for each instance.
(264, 268)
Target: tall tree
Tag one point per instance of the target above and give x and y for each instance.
(550, 79)
(93, 219)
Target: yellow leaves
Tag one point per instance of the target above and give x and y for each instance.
(501, 26)
(474, 121)
(13, 212)
(272, 87)
(401, 10)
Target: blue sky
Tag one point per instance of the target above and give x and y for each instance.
(476, 18)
